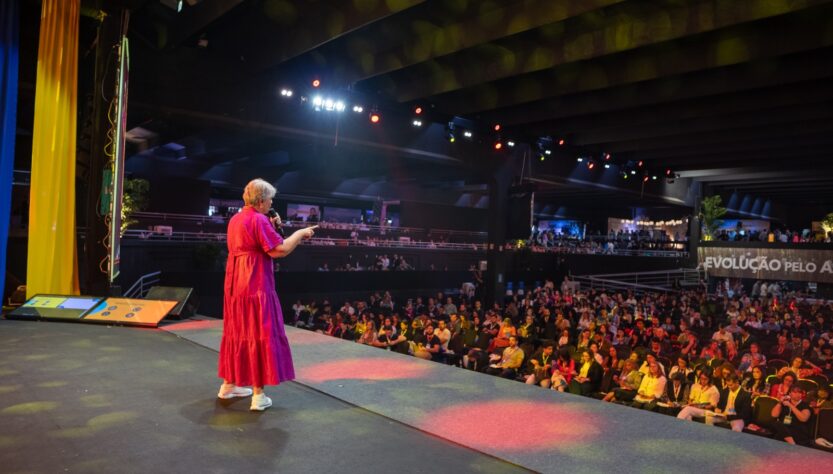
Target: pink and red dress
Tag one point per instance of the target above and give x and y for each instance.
(254, 349)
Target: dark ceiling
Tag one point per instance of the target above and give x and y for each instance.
(736, 95)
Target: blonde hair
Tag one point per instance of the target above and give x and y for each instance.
(258, 191)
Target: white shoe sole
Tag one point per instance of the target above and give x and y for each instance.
(230, 395)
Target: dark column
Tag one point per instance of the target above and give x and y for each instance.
(495, 277)
(96, 282)
(693, 239)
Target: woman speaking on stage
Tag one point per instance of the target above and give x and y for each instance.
(254, 350)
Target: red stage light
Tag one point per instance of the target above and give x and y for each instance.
(497, 127)
(316, 83)
(561, 142)
(668, 172)
(640, 163)
(591, 164)
(498, 145)
(645, 179)
(547, 425)
(375, 117)
(418, 110)
(366, 369)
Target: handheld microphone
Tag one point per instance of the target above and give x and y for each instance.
(278, 224)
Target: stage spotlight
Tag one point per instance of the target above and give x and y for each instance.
(579, 159)
(329, 104)
(339, 106)
(510, 143)
(542, 157)
(548, 152)
(607, 166)
(625, 175)
(645, 178)
(417, 123)
(591, 164)
(316, 83)
(467, 134)
(607, 156)
(668, 172)
(497, 127)
(418, 110)
(498, 145)
(358, 109)
(640, 164)
(633, 171)
(561, 142)
(286, 92)
(654, 177)
(375, 117)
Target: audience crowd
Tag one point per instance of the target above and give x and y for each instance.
(755, 361)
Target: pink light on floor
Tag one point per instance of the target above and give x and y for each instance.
(801, 460)
(364, 369)
(515, 425)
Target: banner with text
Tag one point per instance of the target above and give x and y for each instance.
(768, 264)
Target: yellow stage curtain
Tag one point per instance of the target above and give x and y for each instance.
(52, 261)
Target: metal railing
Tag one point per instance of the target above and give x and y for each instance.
(143, 284)
(640, 282)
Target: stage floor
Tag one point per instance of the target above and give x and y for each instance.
(90, 398)
(539, 429)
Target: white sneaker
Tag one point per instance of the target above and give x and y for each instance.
(231, 391)
(260, 402)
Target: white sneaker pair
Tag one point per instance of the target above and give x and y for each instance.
(228, 391)
(260, 402)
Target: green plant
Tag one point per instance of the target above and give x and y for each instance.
(134, 199)
(711, 210)
(827, 223)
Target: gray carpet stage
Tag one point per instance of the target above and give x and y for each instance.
(91, 398)
(535, 428)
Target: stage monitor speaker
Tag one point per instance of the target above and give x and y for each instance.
(186, 304)
(130, 312)
(64, 307)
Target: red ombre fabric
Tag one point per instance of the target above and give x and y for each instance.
(254, 349)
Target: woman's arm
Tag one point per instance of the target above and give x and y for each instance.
(292, 242)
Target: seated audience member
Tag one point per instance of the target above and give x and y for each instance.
(540, 364)
(589, 376)
(755, 382)
(369, 335)
(676, 394)
(563, 371)
(650, 358)
(822, 401)
(753, 358)
(629, 381)
(712, 351)
(507, 365)
(507, 330)
(735, 404)
(781, 390)
(703, 396)
(681, 368)
(389, 341)
(792, 418)
(651, 389)
(800, 368)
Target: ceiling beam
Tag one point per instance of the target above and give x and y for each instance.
(802, 67)
(735, 45)
(292, 32)
(595, 34)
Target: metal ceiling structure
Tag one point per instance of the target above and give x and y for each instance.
(732, 95)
